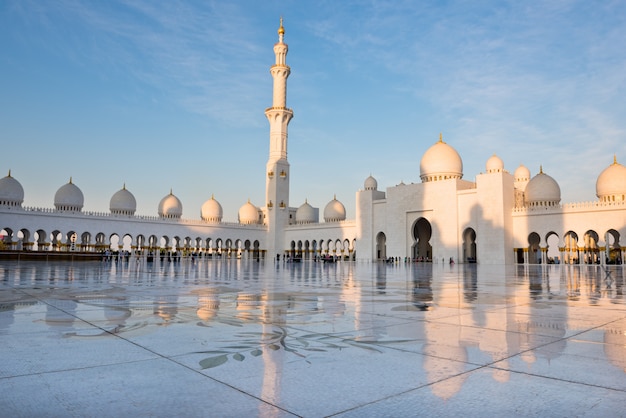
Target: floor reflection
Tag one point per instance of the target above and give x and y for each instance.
(455, 317)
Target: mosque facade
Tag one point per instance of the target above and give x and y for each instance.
(500, 218)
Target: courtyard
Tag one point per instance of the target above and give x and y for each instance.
(241, 338)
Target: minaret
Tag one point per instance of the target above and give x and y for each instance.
(277, 175)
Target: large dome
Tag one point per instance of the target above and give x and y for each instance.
(123, 202)
(306, 214)
(494, 164)
(543, 190)
(69, 197)
(441, 162)
(11, 191)
(248, 214)
(211, 210)
(170, 207)
(611, 183)
(334, 211)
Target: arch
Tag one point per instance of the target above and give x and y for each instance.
(127, 242)
(591, 252)
(534, 250)
(613, 247)
(422, 232)
(100, 242)
(552, 248)
(469, 245)
(571, 254)
(115, 242)
(24, 235)
(381, 246)
(307, 250)
(256, 252)
(140, 242)
(153, 242)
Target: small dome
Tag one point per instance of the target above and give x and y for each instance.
(11, 191)
(123, 202)
(248, 214)
(306, 214)
(494, 164)
(441, 162)
(611, 183)
(522, 173)
(170, 207)
(542, 190)
(371, 183)
(69, 197)
(211, 210)
(334, 211)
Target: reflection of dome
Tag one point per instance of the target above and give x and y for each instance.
(371, 183)
(11, 191)
(334, 211)
(522, 173)
(248, 214)
(211, 211)
(614, 343)
(611, 183)
(170, 207)
(208, 306)
(542, 190)
(494, 164)
(441, 162)
(69, 197)
(123, 202)
(306, 214)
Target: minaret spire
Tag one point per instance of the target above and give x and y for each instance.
(277, 174)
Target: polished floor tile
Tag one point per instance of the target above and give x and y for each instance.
(236, 338)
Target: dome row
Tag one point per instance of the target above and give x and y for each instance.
(70, 198)
(442, 162)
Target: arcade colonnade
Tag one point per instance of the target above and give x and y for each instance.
(58, 231)
(573, 247)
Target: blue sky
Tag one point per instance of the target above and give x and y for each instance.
(171, 95)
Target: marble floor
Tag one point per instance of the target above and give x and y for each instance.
(229, 338)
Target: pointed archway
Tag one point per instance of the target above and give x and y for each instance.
(469, 245)
(422, 232)
(381, 246)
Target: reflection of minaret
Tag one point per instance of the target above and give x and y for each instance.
(277, 176)
(273, 319)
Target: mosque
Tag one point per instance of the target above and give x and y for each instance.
(501, 218)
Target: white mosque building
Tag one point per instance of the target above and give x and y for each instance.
(501, 218)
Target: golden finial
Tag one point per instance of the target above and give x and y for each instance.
(541, 169)
(124, 186)
(614, 159)
(212, 196)
(70, 179)
(440, 137)
(335, 196)
(171, 192)
(9, 173)
(281, 29)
